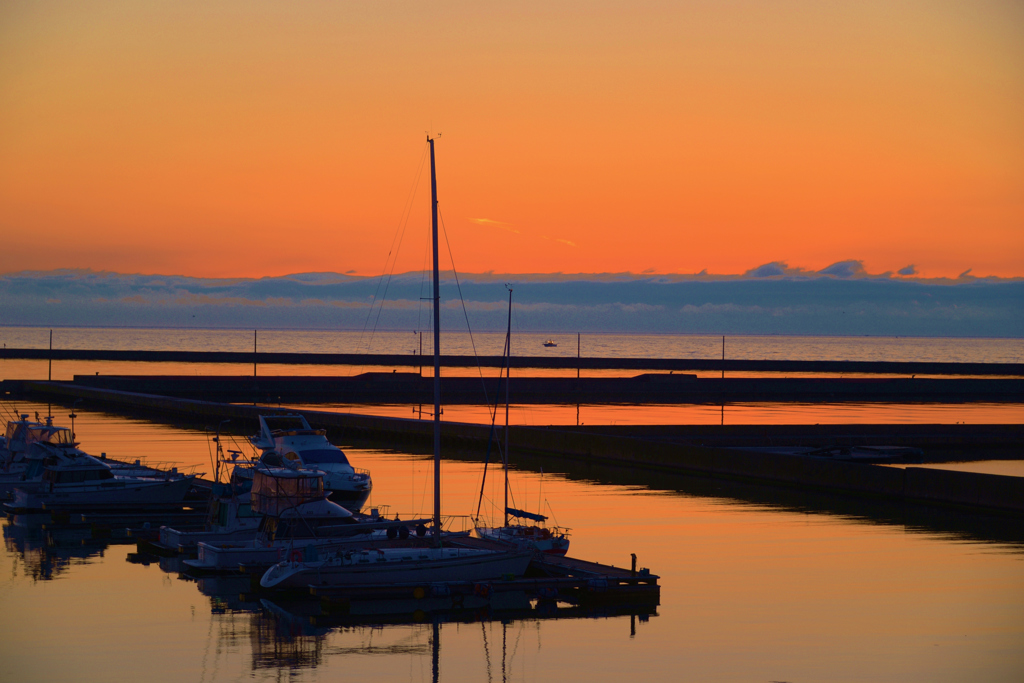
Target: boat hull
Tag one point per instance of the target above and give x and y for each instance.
(476, 566)
(553, 544)
(347, 498)
(136, 495)
(185, 541)
(231, 557)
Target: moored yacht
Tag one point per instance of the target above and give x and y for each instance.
(289, 440)
(524, 533)
(73, 480)
(439, 563)
(297, 521)
(24, 442)
(548, 540)
(393, 566)
(29, 448)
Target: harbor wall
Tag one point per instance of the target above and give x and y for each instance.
(989, 492)
(535, 362)
(411, 388)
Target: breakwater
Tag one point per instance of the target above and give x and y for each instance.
(646, 451)
(523, 362)
(411, 388)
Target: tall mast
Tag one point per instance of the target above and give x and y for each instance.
(437, 351)
(508, 367)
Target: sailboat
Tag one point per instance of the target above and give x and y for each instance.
(524, 533)
(404, 565)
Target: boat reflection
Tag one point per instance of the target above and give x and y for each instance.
(297, 635)
(44, 550)
(291, 632)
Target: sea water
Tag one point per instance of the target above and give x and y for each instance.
(745, 347)
(758, 584)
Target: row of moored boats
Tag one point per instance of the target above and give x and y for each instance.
(292, 511)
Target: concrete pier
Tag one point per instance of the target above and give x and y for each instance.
(410, 388)
(671, 450)
(537, 362)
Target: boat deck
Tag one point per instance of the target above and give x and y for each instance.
(549, 577)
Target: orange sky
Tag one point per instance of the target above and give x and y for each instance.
(257, 138)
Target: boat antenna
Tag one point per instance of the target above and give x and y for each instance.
(437, 349)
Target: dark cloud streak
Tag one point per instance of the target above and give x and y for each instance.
(772, 299)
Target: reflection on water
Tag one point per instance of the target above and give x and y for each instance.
(541, 415)
(758, 584)
(43, 552)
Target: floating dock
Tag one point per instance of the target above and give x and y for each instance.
(548, 578)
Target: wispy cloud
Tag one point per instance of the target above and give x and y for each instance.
(494, 223)
(559, 240)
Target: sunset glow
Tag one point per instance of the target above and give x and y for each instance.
(258, 139)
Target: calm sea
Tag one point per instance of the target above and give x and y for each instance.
(527, 344)
(596, 345)
(757, 585)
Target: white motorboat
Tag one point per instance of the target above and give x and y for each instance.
(288, 439)
(296, 521)
(230, 518)
(26, 445)
(393, 565)
(73, 480)
(24, 442)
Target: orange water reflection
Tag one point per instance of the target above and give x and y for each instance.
(706, 414)
(757, 585)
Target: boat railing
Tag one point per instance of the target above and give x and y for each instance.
(159, 467)
(457, 524)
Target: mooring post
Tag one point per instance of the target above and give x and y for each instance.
(633, 570)
(723, 356)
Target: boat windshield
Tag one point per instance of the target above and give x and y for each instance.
(37, 433)
(58, 436)
(272, 495)
(323, 456)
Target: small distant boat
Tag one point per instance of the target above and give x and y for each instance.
(550, 342)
